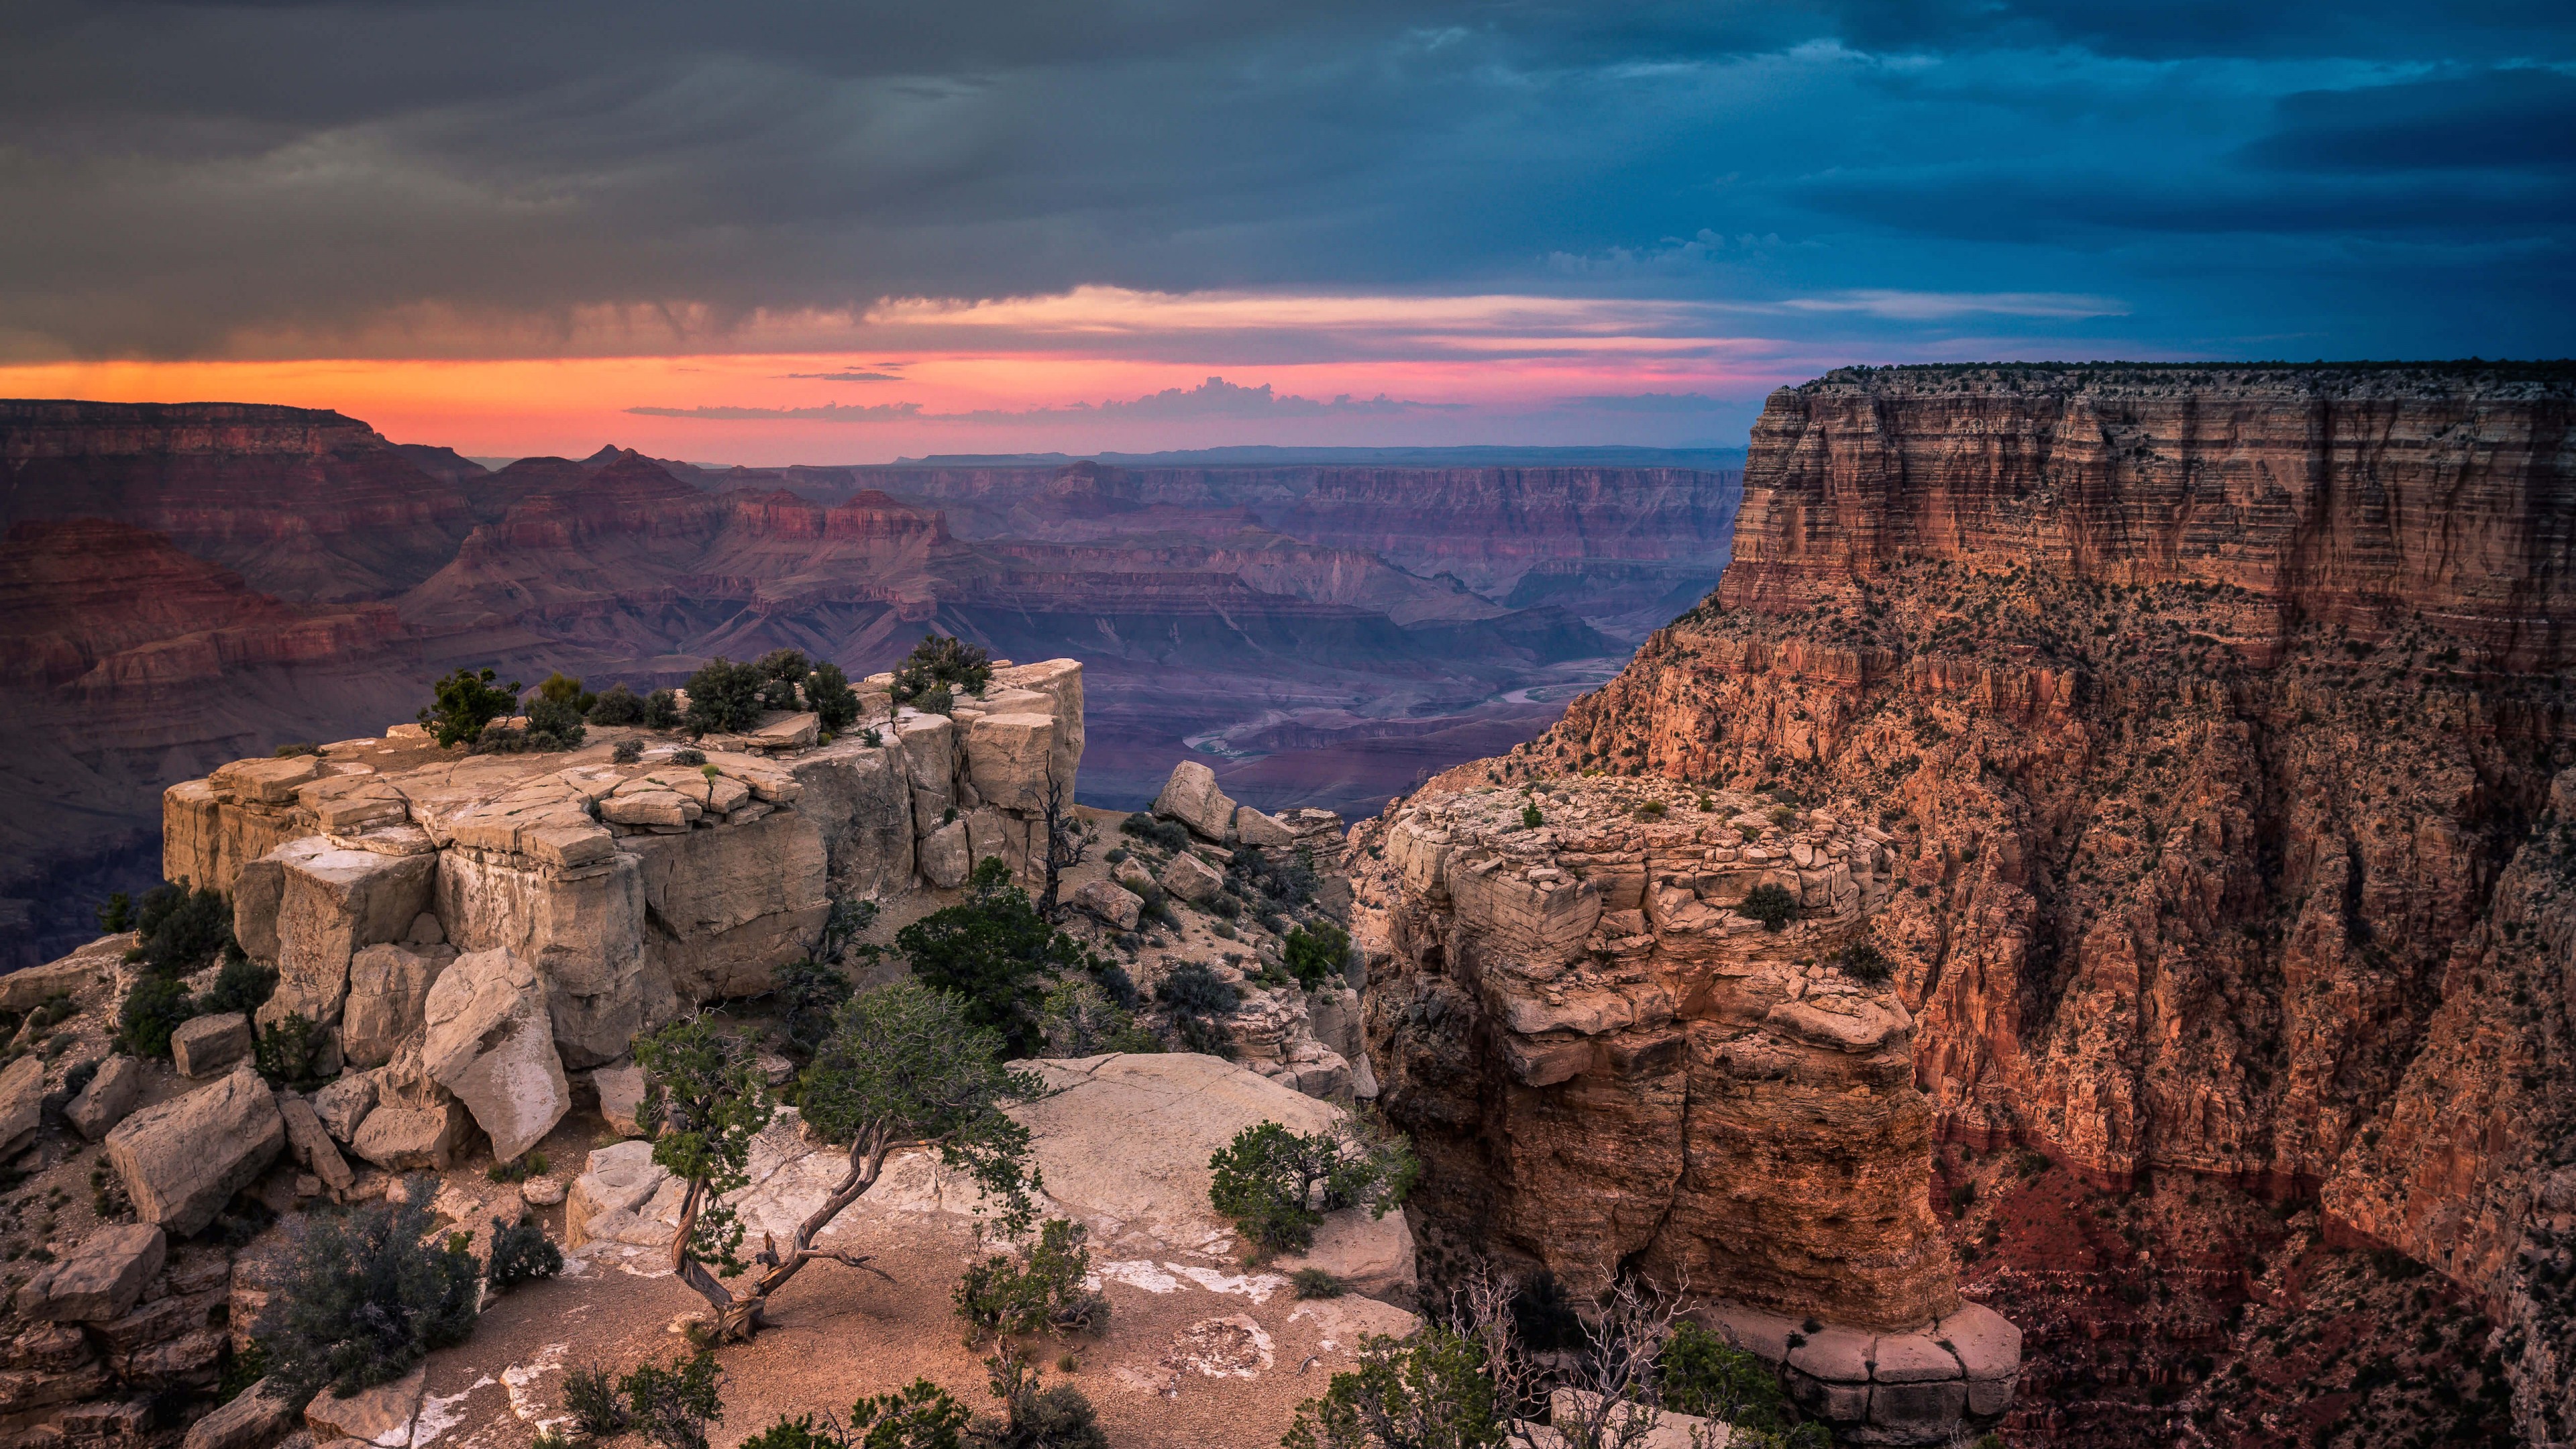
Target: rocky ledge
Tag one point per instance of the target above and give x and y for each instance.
(1633, 1024)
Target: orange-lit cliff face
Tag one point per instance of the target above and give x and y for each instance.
(2220, 725)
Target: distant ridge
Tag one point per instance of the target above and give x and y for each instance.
(1275, 457)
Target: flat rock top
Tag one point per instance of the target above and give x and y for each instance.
(1128, 1138)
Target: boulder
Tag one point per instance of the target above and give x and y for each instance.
(782, 730)
(1251, 827)
(412, 1139)
(331, 905)
(930, 764)
(22, 1103)
(1191, 878)
(1124, 1142)
(1115, 905)
(183, 1160)
(1007, 758)
(617, 1179)
(311, 1143)
(381, 1415)
(82, 969)
(388, 986)
(1191, 797)
(256, 1417)
(207, 1046)
(489, 1038)
(946, 858)
(108, 1097)
(345, 1103)
(621, 1091)
(100, 1279)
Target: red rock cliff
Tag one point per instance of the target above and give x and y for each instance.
(2219, 721)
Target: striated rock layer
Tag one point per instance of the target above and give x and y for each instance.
(2217, 722)
(628, 889)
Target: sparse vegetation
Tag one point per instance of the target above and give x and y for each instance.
(1863, 961)
(943, 666)
(617, 705)
(672, 1406)
(829, 695)
(724, 698)
(464, 702)
(521, 1253)
(903, 1065)
(366, 1298)
(1276, 1185)
(1034, 1288)
(1770, 904)
(996, 952)
(1317, 954)
(1196, 1000)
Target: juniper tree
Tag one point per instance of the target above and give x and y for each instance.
(903, 1067)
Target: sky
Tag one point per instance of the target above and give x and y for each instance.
(779, 231)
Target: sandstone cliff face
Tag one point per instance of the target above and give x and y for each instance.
(130, 662)
(1609, 1064)
(631, 889)
(2216, 723)
(304, 504)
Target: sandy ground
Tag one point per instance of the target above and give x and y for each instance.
(1188, 1365)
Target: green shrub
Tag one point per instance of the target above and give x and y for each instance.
(920, 1415)
(518, 1169)
(673, 1406)
(1168, 834)
(1428, 1391)
(626, 752)
(560, 688)
(521, 1253)
(1863, 961)
(662, 710)
(809, 992)
(1772, 905)
(285, 1049)
(941, 666)
(1013, 1294)
(117, 916)
(1034, 1418)
(590, 1396)
(1700, 1373)
(828, 694)
(1276, 1185)
(787, 664)
(243, 985)
(1194, 988)
(687, 756)
(1316, 1283)
(365, 1299)
(996, 952)
(153, 1009)
(51, 1012)
(1531, 819)
(724, 698)
(290, 751)
(181, 930)
(1081, 1018)
(554, 724)
(464, 702)
(617, 705)
(1318, 953)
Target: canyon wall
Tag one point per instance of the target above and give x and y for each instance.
(2218, 724)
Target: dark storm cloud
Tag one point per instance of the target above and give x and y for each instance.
(431, 178)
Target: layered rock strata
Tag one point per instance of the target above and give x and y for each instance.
(599, 897)
(2218, 727)
(1609, 1065)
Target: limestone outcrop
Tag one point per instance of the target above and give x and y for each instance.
(182, 1160)
(362, 871)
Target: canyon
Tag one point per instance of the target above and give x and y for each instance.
(2211, 733)
(1322, 635)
